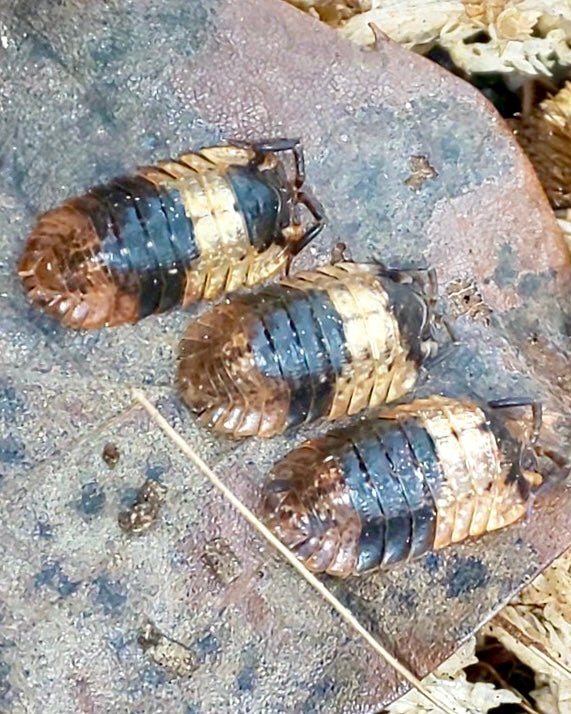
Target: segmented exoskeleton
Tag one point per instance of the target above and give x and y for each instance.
(415, 478)
(209, 222)
(325, 343)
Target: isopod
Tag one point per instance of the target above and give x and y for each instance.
(209, 222)
(414, 478)
(323, 343)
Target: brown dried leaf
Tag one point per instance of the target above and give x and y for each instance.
(545, 136)
(450, 680)
(564, 220)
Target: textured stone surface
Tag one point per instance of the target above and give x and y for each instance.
(90, 89)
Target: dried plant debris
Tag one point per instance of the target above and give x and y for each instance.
(529, 38)
(536, 627)
(450, 680)
(221, 560)
(465, 299)
(421, 171)
(167, 653)
(545, 136)
(111, 454)
(500, 667)
(484, 10)
(144, 512)
(525, 650)
(333, 12)
(412, 23)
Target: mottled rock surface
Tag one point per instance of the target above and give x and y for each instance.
(412, 165)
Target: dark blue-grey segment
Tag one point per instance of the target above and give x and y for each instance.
(182, 230)
(146, 238)
(424, 453)
(155, 233)
(331, 328)
(126, 243)
(393, 501)
(357, 458)
(262, 347)
(321, 374)
(409, 473)
(311, 348)
(259, 203)
(300, 340)
(289, 357)
(100, 213)
(389, 488)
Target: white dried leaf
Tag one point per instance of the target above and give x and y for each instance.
(514, 24)
(543, 613)
(515, 42)
(527, 37)
(412, 23)
(548, 22)
(333, 12)
(449, 683)
(485, 11)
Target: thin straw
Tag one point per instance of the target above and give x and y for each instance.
(316, 584)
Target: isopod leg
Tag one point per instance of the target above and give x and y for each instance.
(299, 243)
(316, 209)
(425, 278)
(536, 412)
(562, 473)
(445, 322)
(274, 146)
(562, 462)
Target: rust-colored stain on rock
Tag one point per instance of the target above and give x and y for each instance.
(90, 91)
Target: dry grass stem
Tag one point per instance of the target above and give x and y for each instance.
(316, 584)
